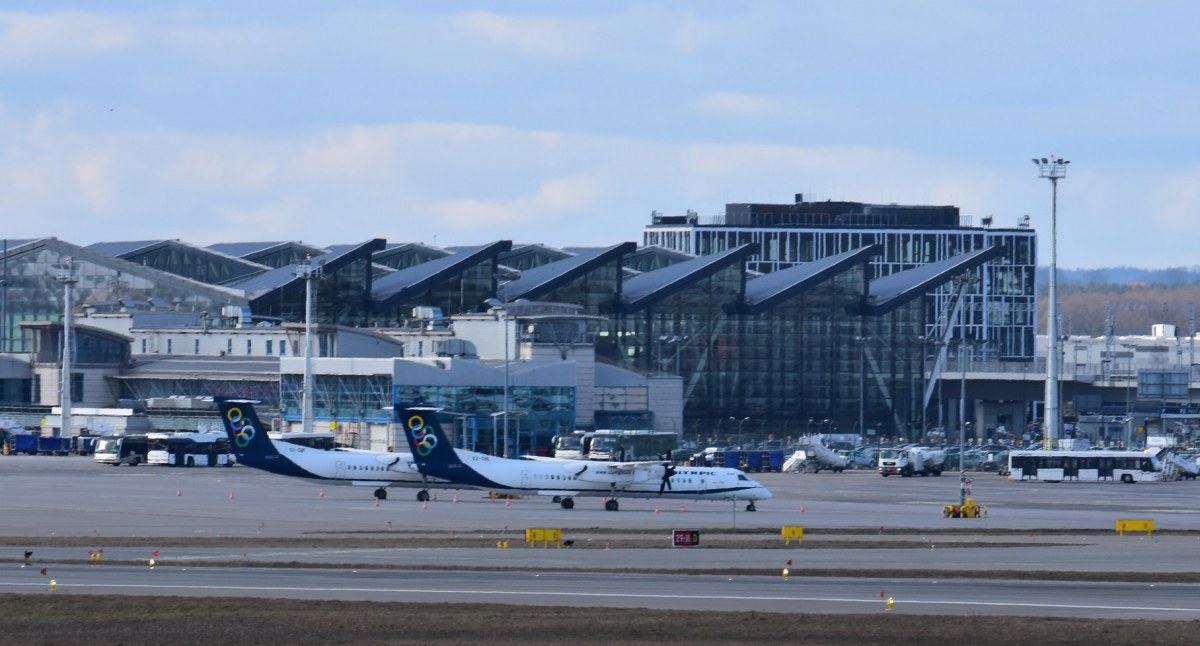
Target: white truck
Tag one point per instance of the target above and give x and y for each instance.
(911, 460)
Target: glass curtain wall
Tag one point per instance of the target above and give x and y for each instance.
(704, 347)
(34, 294)
(537, 414)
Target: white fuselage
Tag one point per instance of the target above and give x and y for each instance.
(592, 478)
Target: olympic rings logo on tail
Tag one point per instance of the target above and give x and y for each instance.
(243, 431)
(423, 438)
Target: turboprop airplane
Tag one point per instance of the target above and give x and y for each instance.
(435, 456)
(249, 442)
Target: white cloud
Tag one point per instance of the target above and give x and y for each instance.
(28, 39)
(537, 36)
(95, 181)
(553, 198)
(743, 105)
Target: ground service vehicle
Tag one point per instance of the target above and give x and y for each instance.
(121, 449)
(1096, 466)
(572, 446)
(188, 449)
(912, 460)
(630, 446)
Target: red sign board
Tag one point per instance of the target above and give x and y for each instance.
(685, 538)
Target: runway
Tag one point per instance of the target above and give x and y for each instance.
(658, 591)
(125, 510)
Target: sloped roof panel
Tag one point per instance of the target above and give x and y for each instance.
(768, 290)
(404, 284)
(643, 290)
(889, 292)
(258, 286)
(537, 281)
(121, 247)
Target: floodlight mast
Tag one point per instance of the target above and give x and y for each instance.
(1053, 169)
(310, 275)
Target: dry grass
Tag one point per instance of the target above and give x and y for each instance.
(66, 619)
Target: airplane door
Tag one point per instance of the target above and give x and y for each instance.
(526, 481)
(339, 469)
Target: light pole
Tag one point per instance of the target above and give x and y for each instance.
(963, 281)
(497, 307)
(310, 275)
(66, 276)
(1131, 348)
(862, 383)
(1053, 169)
(743, 421)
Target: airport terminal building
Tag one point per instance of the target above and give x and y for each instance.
(700, 340)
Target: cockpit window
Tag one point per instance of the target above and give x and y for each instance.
(742, 476)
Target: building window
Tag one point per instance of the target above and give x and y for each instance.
(169, 345)
(282, 347)
(249, 346)
(143, 345)
(196, 347)
(229, 346)
(270, 347)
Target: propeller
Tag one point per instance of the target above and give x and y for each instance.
(668, 471)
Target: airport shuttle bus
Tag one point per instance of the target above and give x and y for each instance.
(1094, 466)
(121, 449)
(188, 449)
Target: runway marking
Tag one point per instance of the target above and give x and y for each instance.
(613, 595)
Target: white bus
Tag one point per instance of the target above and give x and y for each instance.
(121, 449)
(188, 449)
(631, 446)
(572, 446)
(1085, 466)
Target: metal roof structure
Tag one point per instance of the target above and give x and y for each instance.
(768, 290)
(640, 292)
(266, 253)
(889, 292)
(404, 285)
(538, 281)
(267, 284)
(207, 265)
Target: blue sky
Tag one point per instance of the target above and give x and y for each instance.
(566, 123)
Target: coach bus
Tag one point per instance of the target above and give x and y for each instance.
(188, 449)
(1085, 466)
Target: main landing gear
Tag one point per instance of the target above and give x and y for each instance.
(422, 496)
(750, 506)
(611, 505)
(567, 503)
(381, 493)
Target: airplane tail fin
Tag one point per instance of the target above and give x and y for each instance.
(431, 449)
(247, 435)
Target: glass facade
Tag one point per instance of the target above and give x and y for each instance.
(265, 390)
(32, 291)
(540, 412)
(1003, 308)
(343, 297)
(195, 264)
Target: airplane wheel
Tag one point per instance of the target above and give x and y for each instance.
(751, 507)
(557, 499)
(422, 496)
(381, 493)
(568, 503)
(611, 505)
